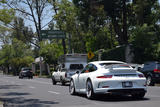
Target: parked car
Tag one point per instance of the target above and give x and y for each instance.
(26, 72)
(104, 77)
(68, 65)
(137, 67)
(151, 70)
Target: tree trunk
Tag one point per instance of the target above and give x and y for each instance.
(48, 69)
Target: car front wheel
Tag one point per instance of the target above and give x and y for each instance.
(72, 88)
(89, 90)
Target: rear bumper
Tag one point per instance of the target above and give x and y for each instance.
(117, 86)
(129, 91)
(121, 91)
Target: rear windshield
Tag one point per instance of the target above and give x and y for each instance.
(106, 64)
(121, 66)
(117, 66)
(76, 66)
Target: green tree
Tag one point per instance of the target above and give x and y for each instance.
(145, 44)
(50, 52)
(21, 32)
(5, 56)
(83, 26)
(21, 55)
(16, 55)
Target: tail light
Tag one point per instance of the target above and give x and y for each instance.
(105, 76)
(156, 70)
(140, 75)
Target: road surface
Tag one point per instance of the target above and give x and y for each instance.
(39, 92)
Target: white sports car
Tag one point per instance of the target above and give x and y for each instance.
(102, 77)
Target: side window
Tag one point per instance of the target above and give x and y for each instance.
(92, 68)
(86, 69)
(89, 68)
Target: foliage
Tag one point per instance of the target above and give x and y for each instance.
(87, 28)
(6, 15)
(145, 43)
(50, 52)
(21, 32)
(114, 54)
(16, 55)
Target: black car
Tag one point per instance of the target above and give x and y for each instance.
(151, 70)
(26, 72)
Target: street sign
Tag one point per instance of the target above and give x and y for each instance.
(52, 34)
(90, 55)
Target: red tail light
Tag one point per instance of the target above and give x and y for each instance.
(156, 70)
(141, 75)
(105, 76)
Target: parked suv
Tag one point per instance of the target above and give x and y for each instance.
(26, 72)
(151, 70)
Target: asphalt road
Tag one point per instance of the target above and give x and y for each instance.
(39, 92)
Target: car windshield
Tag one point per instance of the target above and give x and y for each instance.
(26, 69)
(76, 66)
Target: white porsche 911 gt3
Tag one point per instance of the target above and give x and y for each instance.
(102, 77)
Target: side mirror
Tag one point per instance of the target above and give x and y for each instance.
(77, 72)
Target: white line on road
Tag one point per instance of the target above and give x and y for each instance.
(53, 92)
(39, 82)
(32, 87)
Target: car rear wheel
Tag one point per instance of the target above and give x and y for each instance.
(53, 81)
(150, 81)
(72, 88)
(89, 90)
(138, 95)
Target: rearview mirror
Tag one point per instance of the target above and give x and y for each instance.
(77, 72)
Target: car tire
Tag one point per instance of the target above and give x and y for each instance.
(53, 81)
(89, 90)
(62, 81)
(72, 88)
(138, 95)
(150, 81)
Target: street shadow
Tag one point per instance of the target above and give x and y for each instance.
(22, 102)
(114, 98)
(14, 94)
(10, 86)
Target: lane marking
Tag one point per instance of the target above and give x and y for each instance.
(39, 82)
(53, 92)
(31, 87)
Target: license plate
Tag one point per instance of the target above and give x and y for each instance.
(127, 84)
